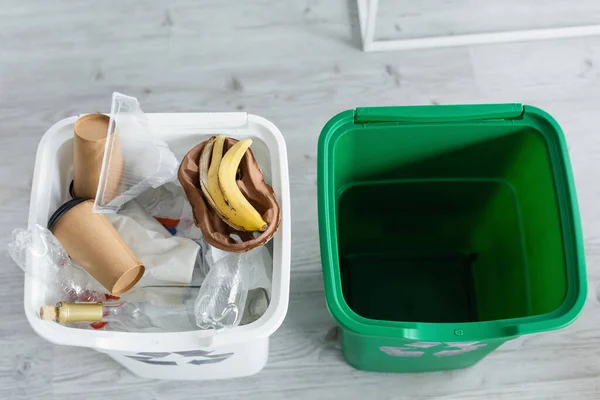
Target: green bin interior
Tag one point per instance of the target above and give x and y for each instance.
(448, 223)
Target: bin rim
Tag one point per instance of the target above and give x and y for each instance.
(525, 115)
(269, 134)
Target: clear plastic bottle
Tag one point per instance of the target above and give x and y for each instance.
(222, 297)
(146, 309)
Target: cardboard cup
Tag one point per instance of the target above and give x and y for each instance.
(89, 142)
(93, 243)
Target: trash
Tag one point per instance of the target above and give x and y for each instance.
(145, 309)
(255, 199)
(89, 144)
(187, 227)
(256, 305)
(259, 261)
(146, 161)
(94, 244)
(39, 254)
(219, 186)
(167, 258)
(222, 297)
(165, 203)
(164, 325)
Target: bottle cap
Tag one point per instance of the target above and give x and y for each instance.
(79, 312)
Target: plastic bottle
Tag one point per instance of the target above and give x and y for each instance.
(222, 297)
(146, 309)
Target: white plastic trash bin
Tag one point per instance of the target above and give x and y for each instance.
(192, 355)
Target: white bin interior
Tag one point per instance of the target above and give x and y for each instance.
(53, 174)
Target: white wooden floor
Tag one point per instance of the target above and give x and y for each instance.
(296, 63)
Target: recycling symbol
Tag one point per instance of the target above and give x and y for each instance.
(194, 357)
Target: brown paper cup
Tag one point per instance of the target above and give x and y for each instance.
(89, 143)
(93, 243)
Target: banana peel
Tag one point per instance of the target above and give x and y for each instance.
(206, 169)
(243, 213)
(250, 182)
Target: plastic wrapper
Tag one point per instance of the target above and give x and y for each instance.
(167, 258)
(39, 253)
(147, 162)
(166, 204)
(187, 227)
(166, 201)
(256, 305)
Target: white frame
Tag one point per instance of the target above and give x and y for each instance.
(367, 17)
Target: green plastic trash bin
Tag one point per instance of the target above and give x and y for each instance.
(446, 231)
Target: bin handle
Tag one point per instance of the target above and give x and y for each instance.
(461, 333)
(441, 113)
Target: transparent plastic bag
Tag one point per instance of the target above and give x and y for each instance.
(167, 258)
(187, 227)
(134, 161)
(164, 202)
(39, 254)
(256, 305)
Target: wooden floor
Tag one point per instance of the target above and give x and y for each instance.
(296, 63)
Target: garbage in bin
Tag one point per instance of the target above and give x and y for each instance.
(89, 143)
(167, 258)
(239, 354)
(94, 244)
(234, 207)
(40, 255)
(168, 205)
(145, 309)
(445, 231)
(145, 161)
(225, 292)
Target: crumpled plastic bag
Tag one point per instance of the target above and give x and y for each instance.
(167, 258)
(39, 254)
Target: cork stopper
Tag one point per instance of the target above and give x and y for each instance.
(48, 313)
